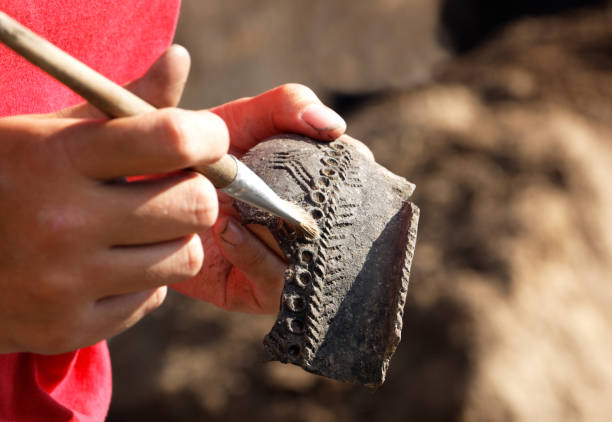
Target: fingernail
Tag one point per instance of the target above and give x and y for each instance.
(233, 233)
(322, 118)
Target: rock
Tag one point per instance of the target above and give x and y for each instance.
(344, 295)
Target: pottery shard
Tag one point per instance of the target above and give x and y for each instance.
(342, 304)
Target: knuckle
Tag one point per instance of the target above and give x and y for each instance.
(184, 134)
(193, 257)
(156, 299)
(59, 226)
(174, 133)
(204, 204)
(218, 138)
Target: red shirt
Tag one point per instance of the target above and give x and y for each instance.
(120, 39)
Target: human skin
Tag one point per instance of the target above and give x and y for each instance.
(84, 255)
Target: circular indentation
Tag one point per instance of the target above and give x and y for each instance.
(338, 146)
(303, 278)
(299, 304)
(295, 325)
(295, 303)
(329, 172)
(330, 161)
(322, 182)
(318, 197)
(334, 153)
(316, 213)
(307, 256)
(294, 350)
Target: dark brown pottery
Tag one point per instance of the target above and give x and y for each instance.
(342, 305)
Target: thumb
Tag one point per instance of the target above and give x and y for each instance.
(292, 108)
(256, 281)
(162, 85)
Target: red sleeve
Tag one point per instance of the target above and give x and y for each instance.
(73, 386)
(121, 39)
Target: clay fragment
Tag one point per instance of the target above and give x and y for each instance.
(342, 305)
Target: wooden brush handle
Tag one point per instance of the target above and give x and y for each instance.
(104, 94)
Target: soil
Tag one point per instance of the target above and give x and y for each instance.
(509, 312)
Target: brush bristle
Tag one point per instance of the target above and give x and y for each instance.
(309, 228)
(305, 223)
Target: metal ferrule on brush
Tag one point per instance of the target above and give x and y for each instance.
(248, 187)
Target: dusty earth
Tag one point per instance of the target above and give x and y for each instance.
(509, 316)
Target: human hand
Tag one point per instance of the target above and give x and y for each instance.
(82, 258)
(242, 271)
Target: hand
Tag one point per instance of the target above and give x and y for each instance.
(241, 271)
(83, 258)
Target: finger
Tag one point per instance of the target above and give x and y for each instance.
(162, 85)
(287, 108)
(115, 314)
(140, 268)
(159, 142)
(164, 82)
(156, 211)
(258, 283)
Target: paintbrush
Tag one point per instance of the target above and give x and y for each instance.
(227, 174)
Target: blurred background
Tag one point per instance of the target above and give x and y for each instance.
(501, 113)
